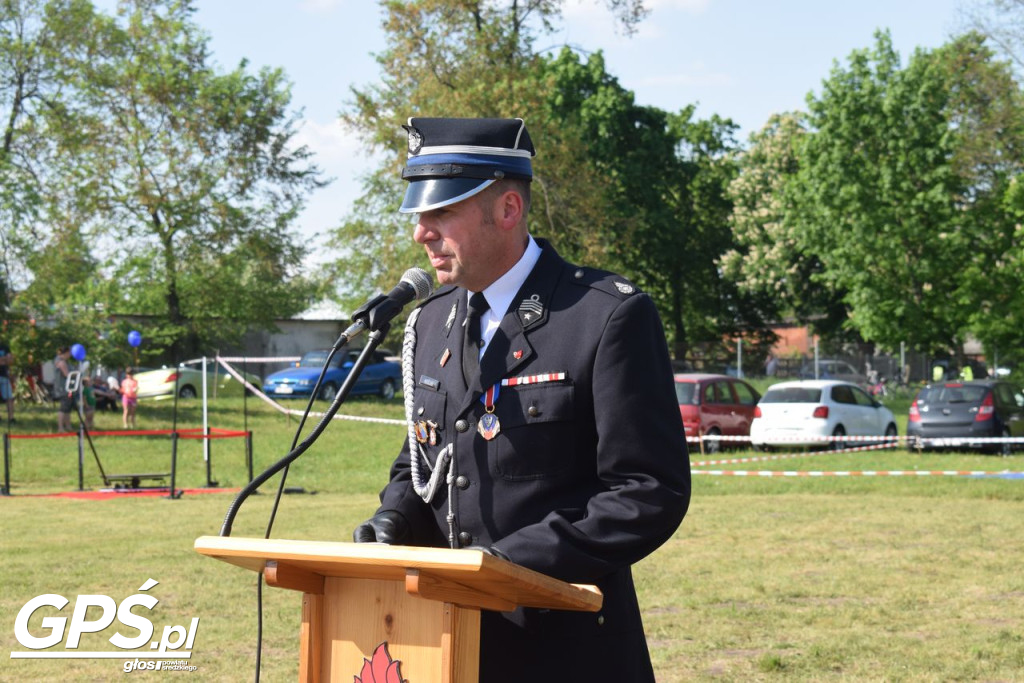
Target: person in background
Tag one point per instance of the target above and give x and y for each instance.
(129, 397)
(66, 400)
(543, 397)
(88, 402)
(107, 396)
(6, 391)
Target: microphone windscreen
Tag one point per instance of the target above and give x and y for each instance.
(420, 281)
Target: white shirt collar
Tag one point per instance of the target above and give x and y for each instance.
(500, 293)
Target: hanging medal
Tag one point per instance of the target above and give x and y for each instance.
(422, 431)
(489, 426)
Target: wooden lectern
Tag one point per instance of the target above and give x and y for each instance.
(424, 603)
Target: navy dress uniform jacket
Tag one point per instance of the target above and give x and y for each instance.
(587, 475)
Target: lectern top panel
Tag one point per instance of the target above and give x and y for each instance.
(471, 568)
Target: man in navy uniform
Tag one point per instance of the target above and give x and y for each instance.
(543, 424)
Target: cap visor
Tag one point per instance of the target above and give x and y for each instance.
(433, 193)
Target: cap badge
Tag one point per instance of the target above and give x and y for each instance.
(415, 140)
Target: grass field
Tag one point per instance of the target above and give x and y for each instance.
(796, 579)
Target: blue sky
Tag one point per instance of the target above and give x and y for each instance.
(742, 59)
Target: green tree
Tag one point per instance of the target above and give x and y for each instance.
(616, 185)
(465, 58)
(886, 198)
(195, 171)
(41, 245)
(987, 121)
(769, 261)
(27, 83)
(660, 180)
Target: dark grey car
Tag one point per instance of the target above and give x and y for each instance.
(957, 414)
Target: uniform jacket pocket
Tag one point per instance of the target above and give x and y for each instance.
(537, 436)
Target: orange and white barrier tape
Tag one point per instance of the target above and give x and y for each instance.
(864, 473)
(258, 392)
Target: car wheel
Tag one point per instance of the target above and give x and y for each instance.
(837, 443)
(713, 446)
(187, 391)
(328, 391)
(387, 389)
(891, 431)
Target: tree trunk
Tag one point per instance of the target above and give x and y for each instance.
(679, 342)
(174, 316)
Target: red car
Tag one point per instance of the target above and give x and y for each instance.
(714, 405)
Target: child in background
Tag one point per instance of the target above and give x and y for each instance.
(129, 396)
(88, 402)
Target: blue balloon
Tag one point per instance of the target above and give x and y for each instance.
(78, 352)
(134, 337)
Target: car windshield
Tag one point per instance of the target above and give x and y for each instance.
(686, 393)
(792, 395)
(951, 393)
(313, 359)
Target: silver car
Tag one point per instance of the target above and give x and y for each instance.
(829, 368)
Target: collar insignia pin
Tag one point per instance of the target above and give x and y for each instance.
(531, 309)
(451, 319)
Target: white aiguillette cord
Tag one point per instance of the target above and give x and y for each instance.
(424, 489)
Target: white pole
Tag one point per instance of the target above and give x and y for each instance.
(206, 442)
(816, 357)
(903, 362)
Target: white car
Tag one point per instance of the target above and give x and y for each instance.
(818, 413)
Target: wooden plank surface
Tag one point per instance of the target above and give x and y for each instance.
(498, 580)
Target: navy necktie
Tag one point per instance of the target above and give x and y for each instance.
(472, 339)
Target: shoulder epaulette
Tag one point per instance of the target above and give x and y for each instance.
(603, 280)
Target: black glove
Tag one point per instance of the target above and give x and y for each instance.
(386, 526)
(489, 550)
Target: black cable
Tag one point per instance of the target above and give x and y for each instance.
(277, 500)
(298, 449)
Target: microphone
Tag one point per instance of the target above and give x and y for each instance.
(415, 284)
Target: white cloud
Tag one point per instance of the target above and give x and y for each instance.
(333, 144)
(341, 156)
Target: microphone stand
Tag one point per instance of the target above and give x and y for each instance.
(372, 342)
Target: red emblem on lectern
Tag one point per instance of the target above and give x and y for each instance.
(380, 669)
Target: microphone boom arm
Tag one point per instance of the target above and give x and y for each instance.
(372, 342)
